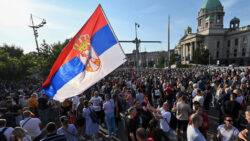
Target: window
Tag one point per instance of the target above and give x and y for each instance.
(235, 52)
(217, 54)
(199, 22)
(211, 24)
(218, 18)
(244, 40)
(218, 44)
(206, 25)
(236, 42)
(243, 52)
(227, 53)
(228, 43)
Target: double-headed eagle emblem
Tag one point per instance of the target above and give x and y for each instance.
(87, 54)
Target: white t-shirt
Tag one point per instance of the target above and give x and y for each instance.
(96, 101)
(200, 99)
(166, 116)
(227, 135)
(32, 126)
(193, 134)
(7, 132)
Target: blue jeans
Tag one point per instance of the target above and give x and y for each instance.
(110, 122)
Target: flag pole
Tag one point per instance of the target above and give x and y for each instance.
(169, 41)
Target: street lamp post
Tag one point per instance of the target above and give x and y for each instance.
(35, 27)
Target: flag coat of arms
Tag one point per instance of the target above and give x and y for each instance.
(91, 54)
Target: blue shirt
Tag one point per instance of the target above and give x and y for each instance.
(70, 133)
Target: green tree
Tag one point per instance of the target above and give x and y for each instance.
(174, 58)
(15, 65)
(201, 56)
(161, 62)
(12, 50)
(48, 54)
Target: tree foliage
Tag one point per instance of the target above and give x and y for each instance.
(15, 65)
(201, 56)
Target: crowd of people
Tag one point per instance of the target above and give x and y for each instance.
(153, 105)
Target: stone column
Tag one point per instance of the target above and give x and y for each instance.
(185, 52)
(191, 51)
(182, 52)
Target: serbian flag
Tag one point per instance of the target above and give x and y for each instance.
(91, 54)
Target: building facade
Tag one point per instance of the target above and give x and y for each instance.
(147, 59)
(225, 45)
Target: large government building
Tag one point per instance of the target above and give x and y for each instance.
(225, 45)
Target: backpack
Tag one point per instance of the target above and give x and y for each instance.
(2, 136)
(93, 116)
(173, 121)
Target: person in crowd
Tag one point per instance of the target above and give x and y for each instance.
(132, 124)
(155, 133)
(244, 135)
(97, 102)
(140, 96)
(165, 116)
(239, 96)
(141, 134)
(226, 131)
(207, 96)
(109, 107)
(44, 111)
(52, 135)
(127, 90)
(233, 108)
(199, 97)
(183, 110)
(69, 130)
(91, 128)
(33, 102)
(32, 125)
(19, 134)
(80, 121)
(66, 106)
(23, 102)
(193, 133)
(5, 131)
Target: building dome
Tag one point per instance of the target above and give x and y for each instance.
(235, 23)
(235, 20)
(211, 4)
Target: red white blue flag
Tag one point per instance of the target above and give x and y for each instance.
(91, 54)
